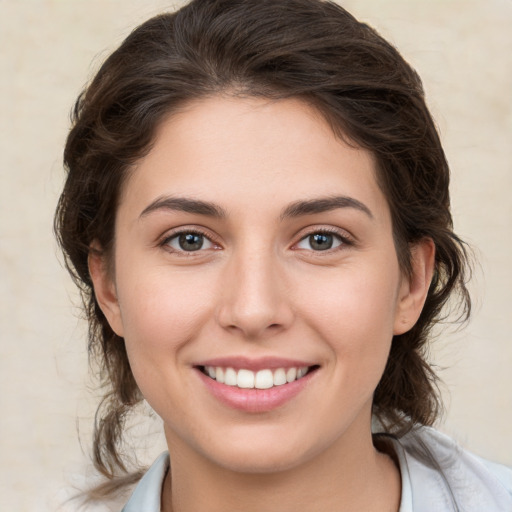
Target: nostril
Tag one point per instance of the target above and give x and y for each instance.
(252, 317)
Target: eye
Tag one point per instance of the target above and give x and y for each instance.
(188, 241)
(320, 241)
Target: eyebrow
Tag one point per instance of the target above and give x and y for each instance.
(296, 209)
(184, 204)
(324, 204)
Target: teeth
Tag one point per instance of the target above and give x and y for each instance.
(230, 377)
(247, 379)
(279, 377)
(291, 374)
(264, 379)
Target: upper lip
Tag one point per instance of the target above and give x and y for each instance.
(256, 364)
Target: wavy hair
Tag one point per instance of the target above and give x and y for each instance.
(309, 49)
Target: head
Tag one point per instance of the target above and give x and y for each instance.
(310, 51)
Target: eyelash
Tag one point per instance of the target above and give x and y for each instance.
(176, 234)
(344, 241)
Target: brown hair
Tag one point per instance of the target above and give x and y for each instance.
(310, 49)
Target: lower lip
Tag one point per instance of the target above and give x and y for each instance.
(255, 400)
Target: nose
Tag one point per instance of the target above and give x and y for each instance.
(254, 301)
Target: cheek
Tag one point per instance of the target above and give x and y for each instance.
(161, 311)
(353, 308)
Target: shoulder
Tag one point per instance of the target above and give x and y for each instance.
(147, 494)
(437, 474)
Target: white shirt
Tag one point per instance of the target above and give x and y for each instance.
(437, 476)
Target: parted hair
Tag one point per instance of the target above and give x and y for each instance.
(309, 49)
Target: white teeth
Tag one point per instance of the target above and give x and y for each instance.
(245, 379)
(279, 377)
(301, 372)
(291, 374)
(219, 375)
(230, 377)
(263, 379)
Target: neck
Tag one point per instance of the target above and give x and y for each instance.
(350, 475)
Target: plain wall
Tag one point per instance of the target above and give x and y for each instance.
(49, 49)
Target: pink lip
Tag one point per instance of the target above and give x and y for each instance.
(254, 400)
(262, 363)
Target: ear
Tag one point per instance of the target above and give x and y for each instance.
(104, 288)
(414, 287)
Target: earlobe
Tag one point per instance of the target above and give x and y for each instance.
(104, 288)
(414, 288)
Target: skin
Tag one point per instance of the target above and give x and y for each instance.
(258, 288)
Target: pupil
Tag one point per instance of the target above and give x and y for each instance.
(191, 242)
(321, 241)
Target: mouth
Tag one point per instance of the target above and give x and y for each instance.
(265, 378)
(255, 385)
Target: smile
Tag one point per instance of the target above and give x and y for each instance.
(262, 379)
(255, 386)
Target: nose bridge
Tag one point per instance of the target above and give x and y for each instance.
(253, 301)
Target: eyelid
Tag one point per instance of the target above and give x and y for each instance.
(347, 240)
(192, 229)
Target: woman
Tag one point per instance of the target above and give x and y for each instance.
(257, 213)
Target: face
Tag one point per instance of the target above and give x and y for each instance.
(256, 283)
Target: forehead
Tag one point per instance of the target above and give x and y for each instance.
(251, 152)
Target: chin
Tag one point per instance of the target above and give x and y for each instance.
(257, 461)
(261, 452)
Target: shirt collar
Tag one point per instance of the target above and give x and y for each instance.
(147, 494)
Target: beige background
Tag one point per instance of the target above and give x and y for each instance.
(49, 49)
